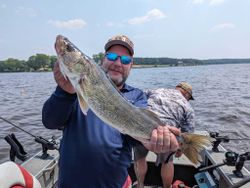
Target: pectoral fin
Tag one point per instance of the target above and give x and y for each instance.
(83, 104)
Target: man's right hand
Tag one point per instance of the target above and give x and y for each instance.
(163, 139)
(61, 80)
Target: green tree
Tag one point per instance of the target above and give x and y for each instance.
(2, 66)
(32, 63)
(43, 60)
(13, 65)
(39, 61)
(98, 57)
(53, 59)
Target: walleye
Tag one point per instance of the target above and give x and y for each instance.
(95, 91)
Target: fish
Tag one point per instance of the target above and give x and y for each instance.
(96, 91)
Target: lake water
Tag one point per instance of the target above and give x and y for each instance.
(221, 92)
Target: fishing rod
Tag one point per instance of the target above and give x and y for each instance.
(17, 149)
(7, 121)
(224, 139)
(32, 124)
(216, 135)
(238, 138)
(231, 159)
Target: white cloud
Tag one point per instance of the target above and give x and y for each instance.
(69, 24)
(222, 26)
(197, 1)
(216, 2)
(153, 14)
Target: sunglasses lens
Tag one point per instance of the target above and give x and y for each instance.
(125, 60)
(111, 56)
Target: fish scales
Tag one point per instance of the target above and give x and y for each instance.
(95, 91)
(94, 88)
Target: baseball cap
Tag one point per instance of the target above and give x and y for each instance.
(187, 87)
(120, 40)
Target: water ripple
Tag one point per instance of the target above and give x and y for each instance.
(221, 92)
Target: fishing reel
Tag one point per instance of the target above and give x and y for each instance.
(219, 139)
(17, 149)
(47, 145)
(231, 159)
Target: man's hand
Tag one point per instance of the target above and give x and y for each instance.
(163, 140)
(61, 81)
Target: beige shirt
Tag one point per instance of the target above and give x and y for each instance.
(172, 108)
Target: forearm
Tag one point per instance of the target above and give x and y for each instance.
(57, 109)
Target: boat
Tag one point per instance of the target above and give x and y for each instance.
(219, 169)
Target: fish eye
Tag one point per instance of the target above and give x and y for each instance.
(70, 48)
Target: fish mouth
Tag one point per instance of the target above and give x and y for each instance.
(63, 45)
(64, 48)
(60, 45)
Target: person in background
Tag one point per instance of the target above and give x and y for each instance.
(173, 108)
(92, 153)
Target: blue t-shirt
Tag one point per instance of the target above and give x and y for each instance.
(92, 154)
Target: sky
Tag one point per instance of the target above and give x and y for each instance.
(200, 29)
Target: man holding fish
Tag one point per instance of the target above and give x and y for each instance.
(101, 121)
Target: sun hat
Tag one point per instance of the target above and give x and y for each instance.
(187, 87)
(120, 40)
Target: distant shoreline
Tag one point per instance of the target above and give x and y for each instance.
(149, 66)
(138, 66)
(45, 63)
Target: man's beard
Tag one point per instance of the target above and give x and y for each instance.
(120, 82)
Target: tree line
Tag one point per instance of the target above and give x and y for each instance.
(43, 62)
(38, 62)
(35, 63)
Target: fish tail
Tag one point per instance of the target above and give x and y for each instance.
(192, 145)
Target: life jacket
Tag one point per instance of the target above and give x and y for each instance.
(127, 183)
(13, 175)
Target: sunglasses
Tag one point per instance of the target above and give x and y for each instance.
(125, 60)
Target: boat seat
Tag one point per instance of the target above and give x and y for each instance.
(14, 176)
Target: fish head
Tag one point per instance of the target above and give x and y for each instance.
(72, 62)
